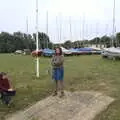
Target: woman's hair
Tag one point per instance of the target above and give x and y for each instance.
(59, 50)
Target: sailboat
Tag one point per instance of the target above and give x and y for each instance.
(112, 52)
(66, 52)
(46, 51)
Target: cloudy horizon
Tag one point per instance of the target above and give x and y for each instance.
(87, 18)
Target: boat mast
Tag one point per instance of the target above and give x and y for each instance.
(83, 28)
(70, 28)
(57, 29)
(47, 27)
(60, 21)
(27, 31)
(97, 25)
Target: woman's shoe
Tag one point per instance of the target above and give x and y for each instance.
(55, 93)
(62, 94)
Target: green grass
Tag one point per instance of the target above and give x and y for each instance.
(81, 73)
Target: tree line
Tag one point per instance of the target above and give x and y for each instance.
(19, 41)
(106, 41)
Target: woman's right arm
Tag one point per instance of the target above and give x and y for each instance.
(52, 61)
(3, 88)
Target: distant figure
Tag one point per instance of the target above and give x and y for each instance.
(6, 89)
(58, 71)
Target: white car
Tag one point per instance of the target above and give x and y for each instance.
(18, 52)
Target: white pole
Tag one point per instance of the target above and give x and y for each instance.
(27, 25)
(96, 34)
(70, 28)
(37, 44)
(86, 33)
(80, 28)
(113, 24)
(57, 28)
(27, 30)
(83, 28)
(47, 26)
(60, 28)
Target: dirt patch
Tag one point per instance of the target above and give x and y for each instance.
(73, 106)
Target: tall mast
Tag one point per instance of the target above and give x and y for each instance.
(70, 28)
(27, 31)
(27, 25)
(60, 21)
(47, 26)
(57, 29)
(83, 29)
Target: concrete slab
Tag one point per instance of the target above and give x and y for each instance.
(83, 105)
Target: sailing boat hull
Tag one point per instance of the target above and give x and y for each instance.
(111, 53)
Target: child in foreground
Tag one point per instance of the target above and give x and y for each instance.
(6, 89)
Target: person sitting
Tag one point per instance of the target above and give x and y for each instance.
(6, 89)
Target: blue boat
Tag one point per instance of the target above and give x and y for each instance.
(48, 52)
(85, 50)
(74, 51)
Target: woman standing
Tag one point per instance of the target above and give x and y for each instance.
(58, 71)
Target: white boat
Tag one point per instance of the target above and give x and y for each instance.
(96, 50)
(65, 51)
(111, 53)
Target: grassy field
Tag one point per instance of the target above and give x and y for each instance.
(81, 73)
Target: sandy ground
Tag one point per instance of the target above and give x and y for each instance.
(83, 105)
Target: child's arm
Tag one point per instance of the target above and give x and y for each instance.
(52, 61)
(3, 88)
(6, 85)
(60, 61)
(10, 84)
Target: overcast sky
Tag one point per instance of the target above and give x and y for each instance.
(96, 15)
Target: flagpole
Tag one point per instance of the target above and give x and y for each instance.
(113, 23)
(37, 44)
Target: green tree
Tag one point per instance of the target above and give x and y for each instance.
(6, 42)
(44, 41)
(26, 39)
(118, 39)
(106, 40)
(68, 44)
(16, 41)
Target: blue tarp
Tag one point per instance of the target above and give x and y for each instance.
(73, 50)
(48, 52)
(81, 49)
(85, 49)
